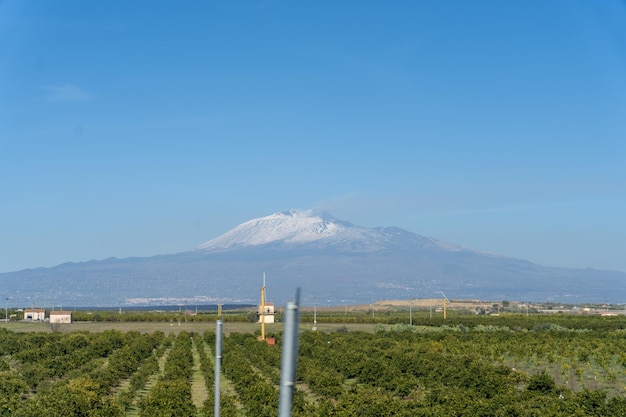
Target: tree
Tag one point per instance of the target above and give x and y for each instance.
(168, 398)
(542, 383)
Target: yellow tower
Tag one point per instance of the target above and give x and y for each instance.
(262, 337)
(445, 302)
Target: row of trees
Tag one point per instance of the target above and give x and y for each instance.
(514, 321)
(443, 373)
(170, 396)
(156, 316)
(491, 368)
(126, 397)
(49, 374)
(228, 404)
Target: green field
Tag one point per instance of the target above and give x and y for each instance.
(511, 365)
(149, 327)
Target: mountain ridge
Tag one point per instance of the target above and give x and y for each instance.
(330, 259)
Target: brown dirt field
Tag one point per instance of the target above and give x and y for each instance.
(394, 305)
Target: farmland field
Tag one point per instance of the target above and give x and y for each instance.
(551, 366)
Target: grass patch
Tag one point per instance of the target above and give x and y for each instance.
(199, 392)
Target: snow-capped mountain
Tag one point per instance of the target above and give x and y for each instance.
(293, 226)
(328, 259)
(299, 227)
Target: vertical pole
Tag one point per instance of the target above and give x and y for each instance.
(445, 301)
(411, 312)
(262, 313)
(315, 314)
(262, 338)
(289, 358)
(218, 366)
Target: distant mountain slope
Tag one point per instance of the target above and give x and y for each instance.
(334, 261)
(297, 228)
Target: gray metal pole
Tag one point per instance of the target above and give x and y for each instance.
(218, 365)
(289, 359)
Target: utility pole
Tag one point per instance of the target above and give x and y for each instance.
(411, 312)
(6, 310)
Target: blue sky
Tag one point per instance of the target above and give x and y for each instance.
(142, 128)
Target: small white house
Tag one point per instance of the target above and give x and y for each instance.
(60, 316)
(269, 313)
(35, 314)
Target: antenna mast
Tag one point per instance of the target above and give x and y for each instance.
(445, 300)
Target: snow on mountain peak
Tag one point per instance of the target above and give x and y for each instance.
(306, 226)
(293, 226)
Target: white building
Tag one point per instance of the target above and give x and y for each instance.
(35, 314)
(269, 313)
(60, 316)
